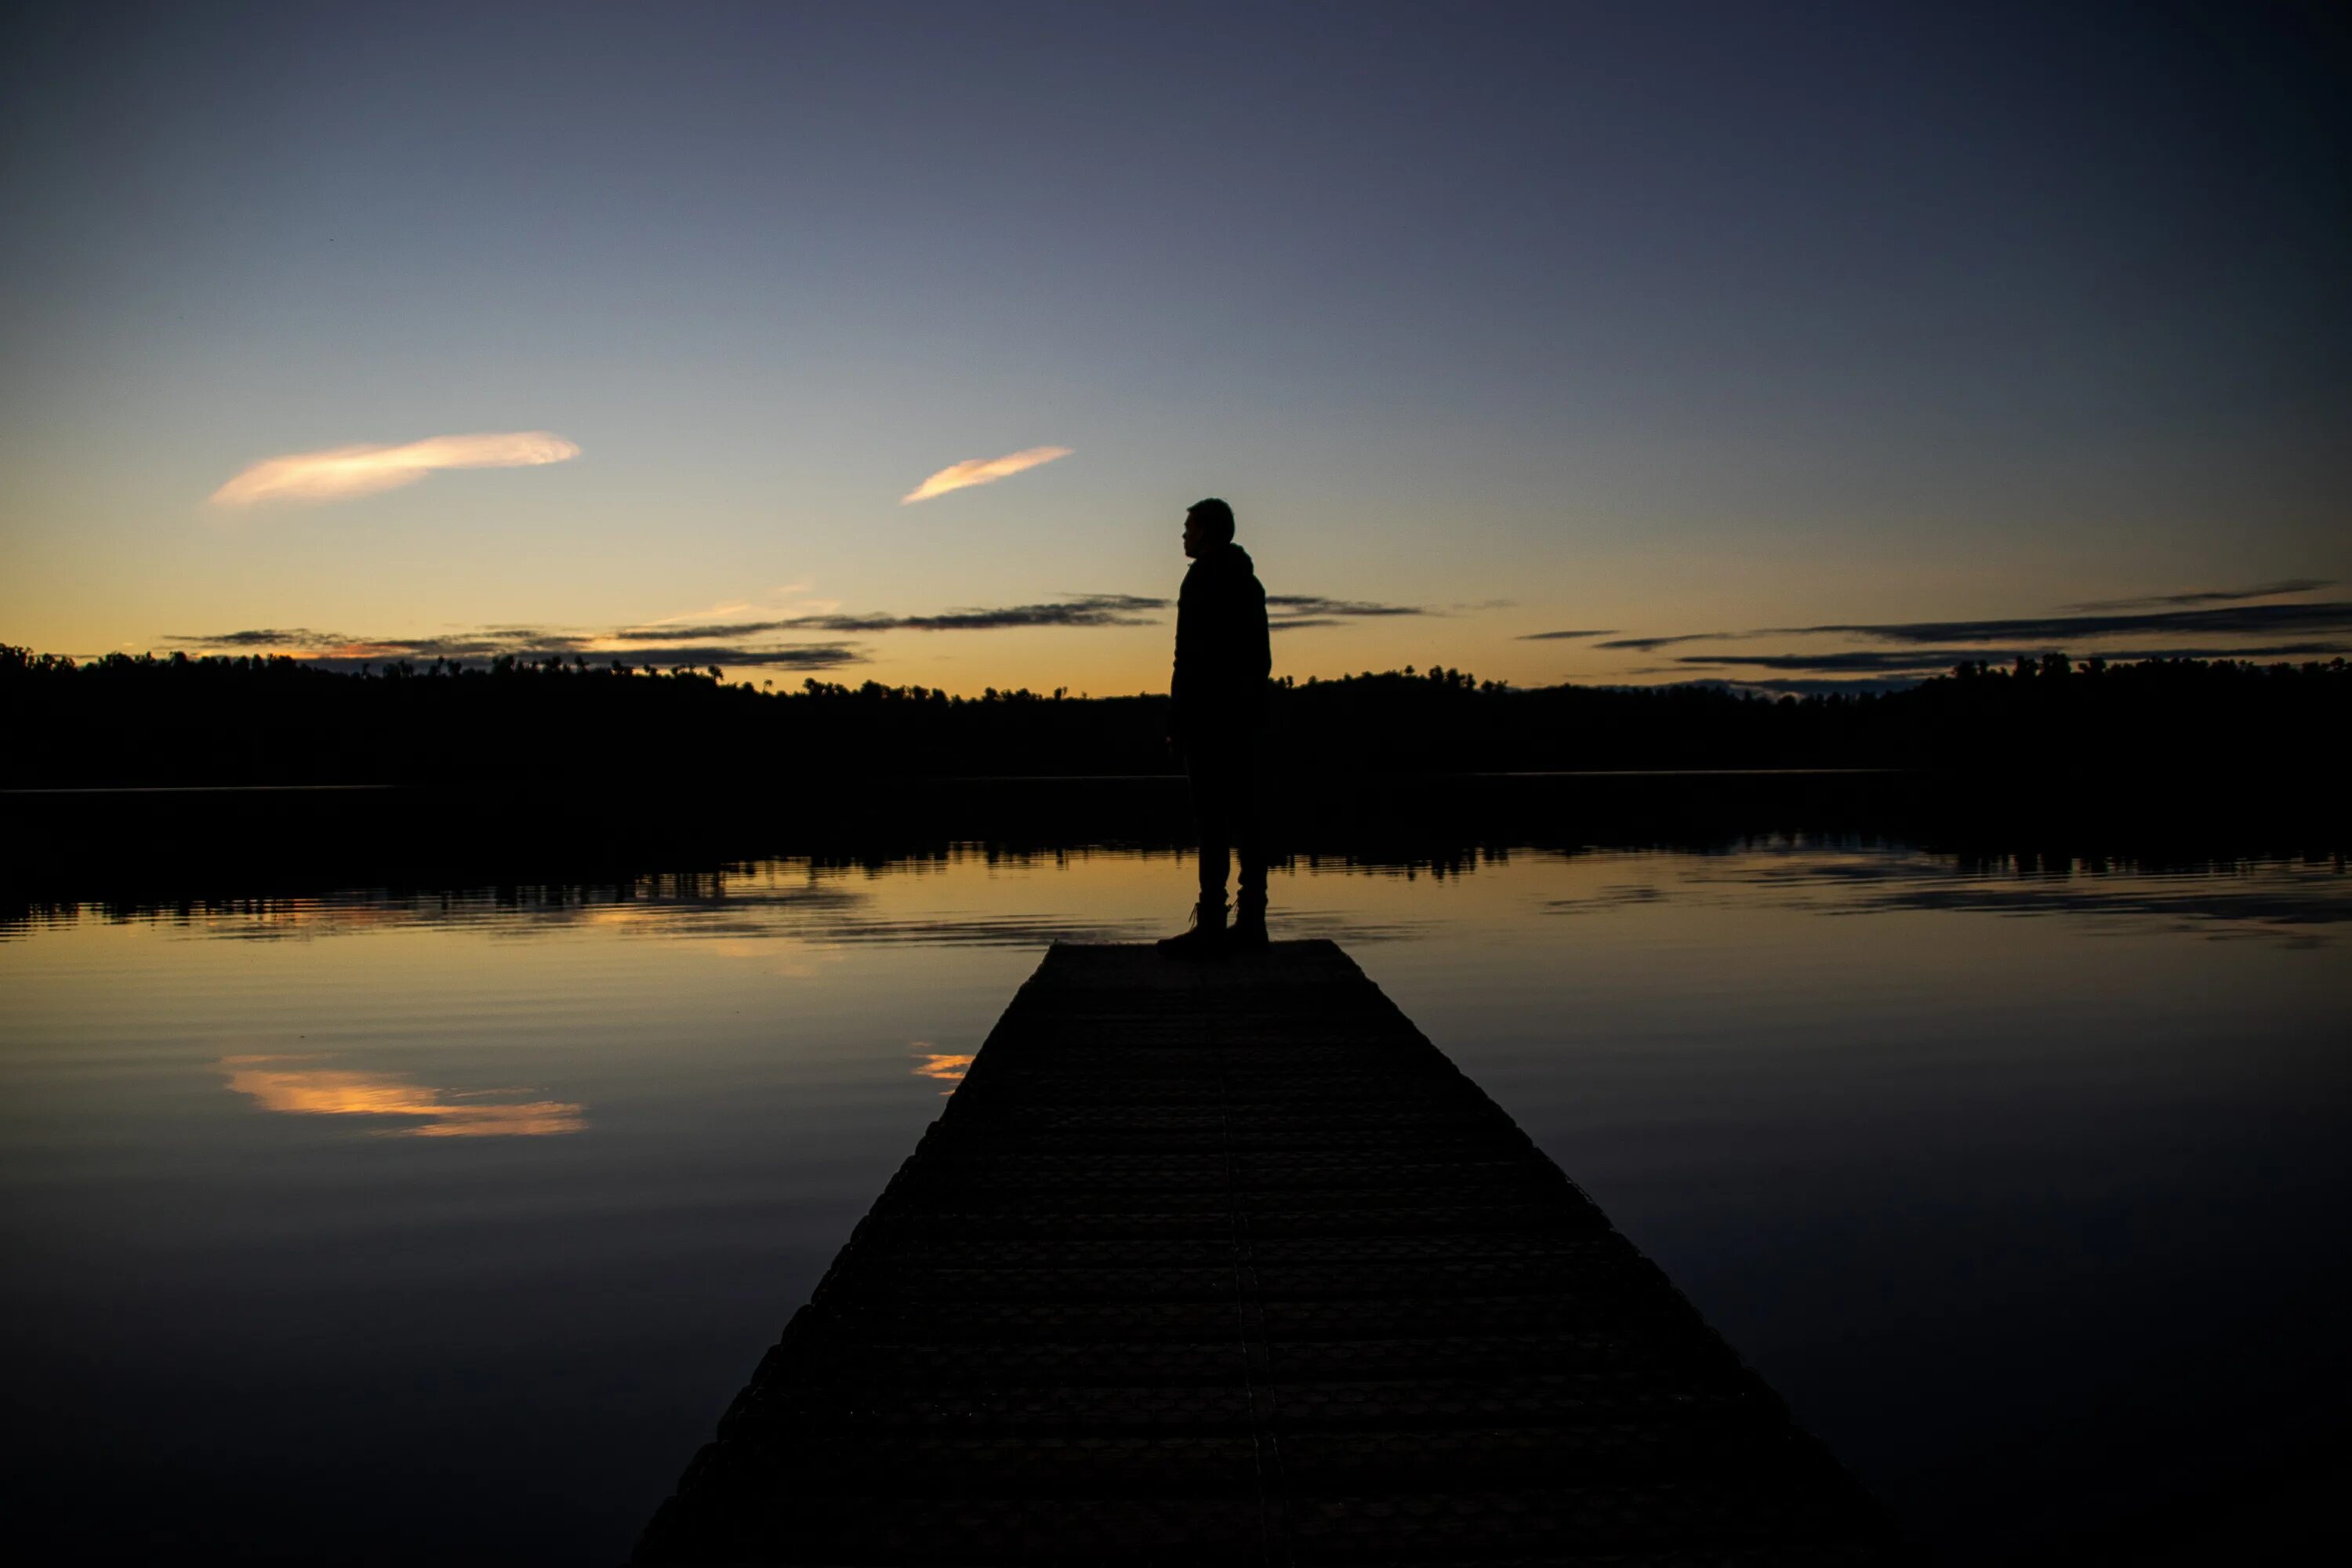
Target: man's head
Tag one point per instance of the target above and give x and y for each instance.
(1207, 523)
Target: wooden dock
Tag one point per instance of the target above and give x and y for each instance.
(1226, 1263)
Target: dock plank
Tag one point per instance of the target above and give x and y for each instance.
(1227, 1262)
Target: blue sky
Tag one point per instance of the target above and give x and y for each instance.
(1652, 321)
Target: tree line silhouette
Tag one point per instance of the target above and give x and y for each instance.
(148, 720)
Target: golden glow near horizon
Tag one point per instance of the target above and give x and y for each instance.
(341, 472)
(444, 1113)
(983, 471)
(1532, 456)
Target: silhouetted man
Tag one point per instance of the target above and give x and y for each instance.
(1223, 655)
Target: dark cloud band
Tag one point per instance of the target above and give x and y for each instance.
(1934, 661)
(798, 655)
(2209, 596)
(1085, 610)
(1295, 607)
(527, 645)
(725, 642)
(1644, 645)
(2002, 640)
(263, 637)
(2236, 620)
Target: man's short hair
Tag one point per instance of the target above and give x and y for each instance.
(1215, 516)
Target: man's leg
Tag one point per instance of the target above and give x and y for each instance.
(1213, 814)
(1249, 842)
(1248, 827)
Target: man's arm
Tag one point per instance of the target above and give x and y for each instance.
(1262, 637)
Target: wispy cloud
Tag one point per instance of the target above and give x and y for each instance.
(676, 640)
(981, 471)
(1085, 610)
(659, 632)
(749, 642)
(1564, 637)
(1303, 612)
(1868, 661)
(2209, 595)
(1935, 662)
(273, 637)
(727, 655)
(2236, 620)
(1797, 686)
(734, 608)
(343, 471)
(1299, 607)
(531, 645)
(1644, 645)
(2040, 634)
(1081, 610)
(1285, 612)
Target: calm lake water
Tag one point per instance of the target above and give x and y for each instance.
(443, 1227)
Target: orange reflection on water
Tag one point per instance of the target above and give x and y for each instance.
(947, 1069)
(446, 1113)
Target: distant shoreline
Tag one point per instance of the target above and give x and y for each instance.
(1004, 779)
(200, 789)
(68, 840)
(125, 724)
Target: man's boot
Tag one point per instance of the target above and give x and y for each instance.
(1249, 920)
(1207, 937)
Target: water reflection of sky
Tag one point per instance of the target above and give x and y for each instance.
(2275, 898)
(882, 901)
(946, 1068)
(2009, 1176)
(296, 1086)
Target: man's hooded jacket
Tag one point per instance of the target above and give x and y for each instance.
(1222, 652)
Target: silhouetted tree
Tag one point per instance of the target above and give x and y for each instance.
(138, 718)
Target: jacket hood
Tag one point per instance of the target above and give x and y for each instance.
(1222, 558)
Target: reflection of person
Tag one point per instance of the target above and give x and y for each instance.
(1218, 690)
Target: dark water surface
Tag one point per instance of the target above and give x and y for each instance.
(442, 1226)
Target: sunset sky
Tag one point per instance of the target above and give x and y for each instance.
(1762, 342)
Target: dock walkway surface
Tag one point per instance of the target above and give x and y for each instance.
(1225, 1262)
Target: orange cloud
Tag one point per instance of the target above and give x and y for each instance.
(941, 1067)
(981, 471)
(343, 471)
(445, 1113)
